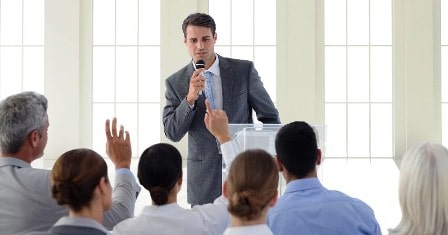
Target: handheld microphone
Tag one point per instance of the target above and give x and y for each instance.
(200, 64)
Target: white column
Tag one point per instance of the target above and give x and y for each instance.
(300, 61)
(62, 76)
(416, 58)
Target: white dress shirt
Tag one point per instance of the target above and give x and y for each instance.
(261, 229)
(173, 219)
(216, 83)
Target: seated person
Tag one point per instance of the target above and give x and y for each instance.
(160, 172)
(25, 199)
(251, 188)
(80, 182)
(423, 191)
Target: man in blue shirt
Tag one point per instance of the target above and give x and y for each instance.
(306, 207)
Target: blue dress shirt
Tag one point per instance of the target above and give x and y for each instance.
(307, 207)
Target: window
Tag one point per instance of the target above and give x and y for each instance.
(246, 29)
(126, 69)
(358, 78)
(22, 48)
(358, 105)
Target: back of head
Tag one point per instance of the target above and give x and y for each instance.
(20, 114)
(251, 184)
(296, 147)
(159, 168)
(199, 19)
(423, 190)
(75, 176)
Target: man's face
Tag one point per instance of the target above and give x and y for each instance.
(200, 43)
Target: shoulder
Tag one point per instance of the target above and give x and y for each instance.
(232, 62)
(187, 70)
(356, 204)
(38, 233)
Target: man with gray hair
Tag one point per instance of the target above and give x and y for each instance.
(25, 198)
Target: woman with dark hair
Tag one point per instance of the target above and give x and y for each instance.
(251, 188)
(80, 182)
(160, 172)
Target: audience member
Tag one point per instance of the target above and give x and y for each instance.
(25, 199)
(306, 207)
(423, 191)
(251, 188)
(80, 182)
(160, 172)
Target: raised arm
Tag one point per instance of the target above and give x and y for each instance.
(217, 124)
(126, 189)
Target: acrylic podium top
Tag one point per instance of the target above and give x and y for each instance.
(262, 136)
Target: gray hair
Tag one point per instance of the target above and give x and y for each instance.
(20, 114)
(423, 190)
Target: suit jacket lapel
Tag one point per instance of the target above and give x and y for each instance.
(227, 83)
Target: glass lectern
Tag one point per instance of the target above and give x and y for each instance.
(262, 136)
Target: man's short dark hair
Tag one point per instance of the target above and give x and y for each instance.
(199, 19)
(296, 147)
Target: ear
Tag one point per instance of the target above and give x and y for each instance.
(34, 138)
(224, 190)
(102, 185)
(215, 37)
(180, 179)
(318, 157)
(273, 200)
(280, 166)
(185, 40)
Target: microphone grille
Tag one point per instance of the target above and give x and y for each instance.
(200, 64)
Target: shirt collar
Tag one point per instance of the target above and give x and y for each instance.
(12, 161)
(82, 222)
(214, 68)
(303, 184)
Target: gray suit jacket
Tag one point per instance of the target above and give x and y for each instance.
(242, 92)
(70, 230)
(26, 203)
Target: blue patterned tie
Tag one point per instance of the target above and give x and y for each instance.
(209, 88)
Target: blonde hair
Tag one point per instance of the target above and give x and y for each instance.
(251, 184)
(423, 191)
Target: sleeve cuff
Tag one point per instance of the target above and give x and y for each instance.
(124, 171)
(191, 106)
(229, 151)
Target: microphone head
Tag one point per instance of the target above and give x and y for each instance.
(200, 64)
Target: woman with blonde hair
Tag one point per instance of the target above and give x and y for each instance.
(423, 191)
(251, 188)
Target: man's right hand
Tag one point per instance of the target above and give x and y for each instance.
(118, 145)
(197, 84)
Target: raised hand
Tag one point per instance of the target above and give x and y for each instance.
(216, 122)
(118, 145)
